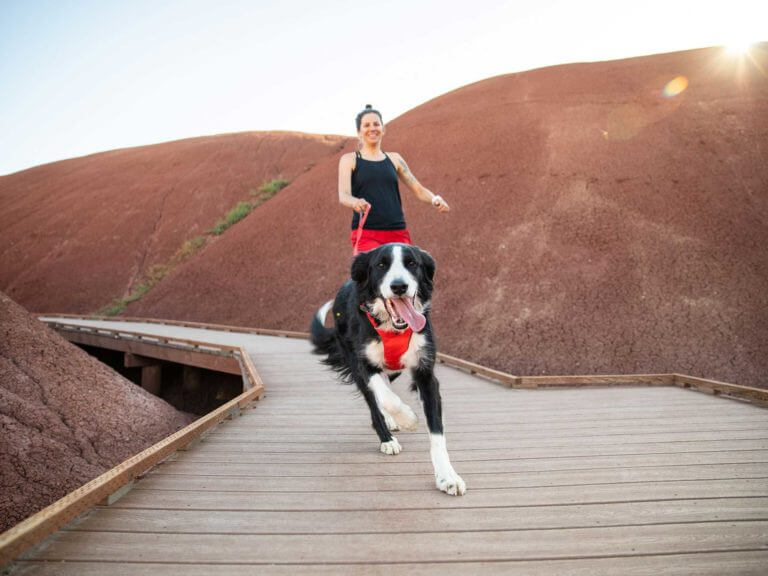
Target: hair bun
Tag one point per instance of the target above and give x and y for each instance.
(369, 109)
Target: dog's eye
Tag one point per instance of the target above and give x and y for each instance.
(411, 263)
(382, 265)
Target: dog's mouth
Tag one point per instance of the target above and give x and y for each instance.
(403, 314)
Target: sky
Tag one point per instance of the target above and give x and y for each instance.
(79, 77)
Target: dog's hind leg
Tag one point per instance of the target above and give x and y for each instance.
(446, 478)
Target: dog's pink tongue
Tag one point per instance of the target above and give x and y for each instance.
(405, 309)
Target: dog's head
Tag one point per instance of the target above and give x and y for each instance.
(394, 282)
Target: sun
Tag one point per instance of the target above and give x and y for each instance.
(738, 47)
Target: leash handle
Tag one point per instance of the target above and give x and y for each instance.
(360, 225)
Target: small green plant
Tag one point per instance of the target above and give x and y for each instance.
(119, 304)
(233, 216)
(139, 291)
(269, 189)
(190, 247)
(113, 309)
(187, 249)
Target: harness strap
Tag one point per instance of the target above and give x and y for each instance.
(395, 342)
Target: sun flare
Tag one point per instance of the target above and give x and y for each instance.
(738, 47)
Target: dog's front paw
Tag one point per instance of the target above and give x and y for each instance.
(406, 418)
(391, 447)
(451, 484)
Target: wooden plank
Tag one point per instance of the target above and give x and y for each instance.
(516, 426)
(167, 480)
(455, 422)
(512, 381)
(359, 428)
(455, 442)
(482, 461)
(151, 379)
(741, 563)
(495, 473)
(135, 361)
(484, 451)
(253, 375)
(756, 395)
(362, 548)
(522, 412)
(596, 380)
(143, 336)
(514, 430)
(507, 380)
(185, 324)
(449, 520)
(340, 403)
(405, 500)
(478, 437)
(192, 357)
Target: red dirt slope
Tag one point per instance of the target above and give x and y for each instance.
(65, 418)
(599, 225)
(79, 233)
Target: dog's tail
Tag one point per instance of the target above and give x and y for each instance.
(326, 342)
(323, 338)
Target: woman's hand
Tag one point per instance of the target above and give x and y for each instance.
(440, 204)
(360, 206)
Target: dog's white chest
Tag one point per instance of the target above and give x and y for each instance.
(374, 352)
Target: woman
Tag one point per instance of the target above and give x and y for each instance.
(368, 182)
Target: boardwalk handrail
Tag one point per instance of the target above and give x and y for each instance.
(40, 525)
(185, 324)
(169, 341)
(755, 395)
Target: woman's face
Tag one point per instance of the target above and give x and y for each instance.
(371, 128)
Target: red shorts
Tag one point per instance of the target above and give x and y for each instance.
(371, 239)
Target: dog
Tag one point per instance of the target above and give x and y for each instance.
(381, 328)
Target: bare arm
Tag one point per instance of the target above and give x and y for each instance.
(416, 187)
(346, 164)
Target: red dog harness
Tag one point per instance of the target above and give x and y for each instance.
(395, 342)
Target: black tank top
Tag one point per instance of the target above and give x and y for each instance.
(376, 182)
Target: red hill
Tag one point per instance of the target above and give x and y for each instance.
(79, 233)
(599, 224)
(65, 418)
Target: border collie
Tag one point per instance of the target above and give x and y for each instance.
(381, 328)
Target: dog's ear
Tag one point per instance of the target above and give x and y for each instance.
(428, 263)
(359, 271)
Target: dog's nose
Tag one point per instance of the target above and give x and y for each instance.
(399, 287)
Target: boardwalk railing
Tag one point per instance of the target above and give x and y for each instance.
(755, 395)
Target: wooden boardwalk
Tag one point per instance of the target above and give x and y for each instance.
(630, 480)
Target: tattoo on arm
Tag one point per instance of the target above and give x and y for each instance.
(410, 178)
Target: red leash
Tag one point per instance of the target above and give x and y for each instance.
(360, 225)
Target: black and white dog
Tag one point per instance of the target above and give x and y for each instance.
(382, 327)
